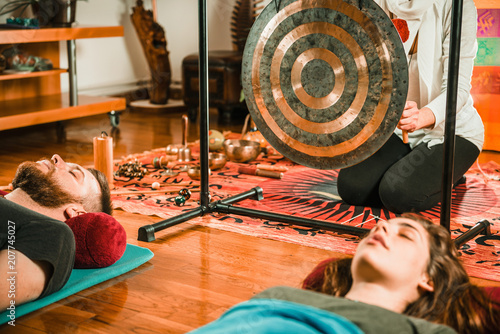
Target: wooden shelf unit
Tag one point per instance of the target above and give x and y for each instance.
(35, 98)
(12, 76)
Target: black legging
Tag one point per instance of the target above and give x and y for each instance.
(402, 179)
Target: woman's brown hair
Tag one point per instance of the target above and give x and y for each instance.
(455, 301)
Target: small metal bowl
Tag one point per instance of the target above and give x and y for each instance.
(216, 160)
(194, 172)
(238, 150)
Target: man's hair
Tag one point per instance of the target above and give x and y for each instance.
(104, 204)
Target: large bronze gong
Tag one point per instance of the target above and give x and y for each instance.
(325, 80)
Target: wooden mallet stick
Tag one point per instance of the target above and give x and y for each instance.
(273, 168)
(405, 137)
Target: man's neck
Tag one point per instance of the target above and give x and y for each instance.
(18, 196)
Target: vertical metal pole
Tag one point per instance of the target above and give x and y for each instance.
(204, 106)
(73, 85)
(451, 111)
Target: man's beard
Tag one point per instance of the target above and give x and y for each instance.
(42, 188)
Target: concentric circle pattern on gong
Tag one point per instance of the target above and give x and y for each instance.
(325, 81)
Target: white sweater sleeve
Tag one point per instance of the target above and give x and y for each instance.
(468, 49)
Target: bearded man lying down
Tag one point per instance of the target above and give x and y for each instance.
(37, 249)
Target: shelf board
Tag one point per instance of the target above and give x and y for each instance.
(16, 36)
(51, 108)
(11, 76)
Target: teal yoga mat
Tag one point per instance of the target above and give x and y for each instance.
(81, 279)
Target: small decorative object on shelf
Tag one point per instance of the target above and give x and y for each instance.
(18, 60)
(57, 13)
(23, 22)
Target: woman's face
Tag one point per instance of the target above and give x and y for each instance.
(395, 253)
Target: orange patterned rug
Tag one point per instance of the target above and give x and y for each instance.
(312, 193)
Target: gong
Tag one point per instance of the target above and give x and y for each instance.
(325, 81)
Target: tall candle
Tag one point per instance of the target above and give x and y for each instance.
(103, 156)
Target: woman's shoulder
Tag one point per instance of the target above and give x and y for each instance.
(369, 318)
(424, 326)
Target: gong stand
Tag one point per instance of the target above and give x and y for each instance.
(147, 232)
(482, 227)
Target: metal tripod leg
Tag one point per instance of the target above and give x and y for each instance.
(294, 220)
(483, 226)
(147, 232)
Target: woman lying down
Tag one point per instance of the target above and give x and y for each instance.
(405, 277)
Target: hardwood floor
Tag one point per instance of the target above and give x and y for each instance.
(196, 273)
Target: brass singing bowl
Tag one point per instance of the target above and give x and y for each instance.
(238, 150)
(216, 160)
(194, 172)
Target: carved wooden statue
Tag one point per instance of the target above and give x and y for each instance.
(154, 44)
(244, 14)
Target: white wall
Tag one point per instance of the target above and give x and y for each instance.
(104, 62)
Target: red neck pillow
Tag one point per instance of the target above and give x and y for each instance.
(100, 240)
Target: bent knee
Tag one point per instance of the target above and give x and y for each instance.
(354, 191)
(403, 198)
(351, 192)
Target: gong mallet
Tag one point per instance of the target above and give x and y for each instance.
(405, 137)
(260, 172)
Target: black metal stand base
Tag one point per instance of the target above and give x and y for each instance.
(482, 227)
(147, 232)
